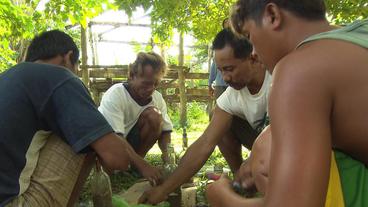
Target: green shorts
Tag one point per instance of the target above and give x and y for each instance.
(348, 184)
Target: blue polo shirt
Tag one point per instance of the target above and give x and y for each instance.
(35, 101)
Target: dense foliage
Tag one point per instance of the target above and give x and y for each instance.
(21, 19)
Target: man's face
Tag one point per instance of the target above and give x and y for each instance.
(269, 35)
(261, 41)
(145, 84)
(235, 72)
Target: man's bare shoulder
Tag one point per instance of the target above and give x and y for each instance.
(325, 59)
(333, 73)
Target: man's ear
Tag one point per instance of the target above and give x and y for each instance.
(272, 16)
(68, 57)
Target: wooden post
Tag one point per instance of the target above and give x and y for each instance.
(84, 42)
(93, 46)
(183, 98)
(210, 100)
(95, 95)
(209, 58)
(188, 196)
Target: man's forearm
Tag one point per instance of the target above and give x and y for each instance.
(163, 141)
(195, 157)
(135, 159)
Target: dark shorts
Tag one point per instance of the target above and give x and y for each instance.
(134, 137)
(244, 132)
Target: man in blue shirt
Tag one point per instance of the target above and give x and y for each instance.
(48, 122)
(216, 85)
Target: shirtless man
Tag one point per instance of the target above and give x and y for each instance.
(318, 105)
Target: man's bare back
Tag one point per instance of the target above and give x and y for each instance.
(346, 76)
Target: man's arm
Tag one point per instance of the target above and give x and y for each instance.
(194, 158)
(221, 194)
(151, 173)
(163, 141)
(120, 153)
(117, 156)
(300, 109)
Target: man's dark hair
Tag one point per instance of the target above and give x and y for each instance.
(50, 44)
(245, 9)
(241, 46)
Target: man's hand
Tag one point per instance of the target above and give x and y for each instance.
(221, 194)
(244, 175)
(151, 173)
(218, 191)
(153, 196)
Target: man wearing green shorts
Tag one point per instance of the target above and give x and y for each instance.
(318, 105)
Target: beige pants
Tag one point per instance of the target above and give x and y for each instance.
(54, 178)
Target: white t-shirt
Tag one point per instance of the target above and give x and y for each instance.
(243, 104)
(122, 111)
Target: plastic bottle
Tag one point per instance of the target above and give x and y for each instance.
(101, 187)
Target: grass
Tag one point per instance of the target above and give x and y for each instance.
(197, 123)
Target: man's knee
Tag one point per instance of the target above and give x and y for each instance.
(151, 117)
(261, 155)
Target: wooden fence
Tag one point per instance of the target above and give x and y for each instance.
(100, 78)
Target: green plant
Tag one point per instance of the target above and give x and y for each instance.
(197, 116)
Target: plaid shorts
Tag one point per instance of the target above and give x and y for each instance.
(55, 175)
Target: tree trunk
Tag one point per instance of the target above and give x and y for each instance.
(93, 46)
(22, 50)
(183, 98)
(84, 42)
(210, 100)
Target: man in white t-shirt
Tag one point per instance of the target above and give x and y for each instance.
(238, 118)
(137, 112)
